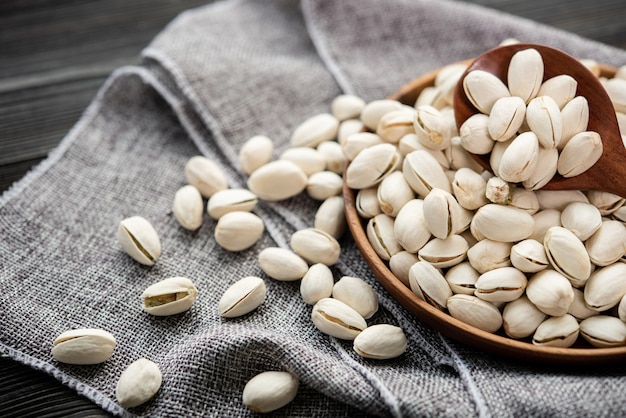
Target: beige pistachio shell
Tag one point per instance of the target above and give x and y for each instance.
(575, 116)
(205, 175)
(269, 391)
(521, 318)
(561, 88)
(231, 200)
(315, 130)
(237, 231)
(579, 308)
(545, 168)
(606, 202)
(489, 255)
(371, 165)
(254, 153)
(393, 193)
(356, 293)
(607, 244)
(347, 106)
(381, 341)
(545, 120)
(395, 124)
(324, 184)
(282, 264)
(583, 219)
(529, 256)
(432, 128)
(410, 228)
(346, 128)
(169, 297)
(429, 284)
(474, 134)
(606, 287)
(83, 346)
(138, 383)
(277, 180)
(380, 234)
(423, 173)
(315, 246)
(483, 89)
(443, 253)
(550, 292)
(462, 278)
(525, 74)
(374, 110)
(520, 158)
(333, 154)
(242, 297)
(503, 284)
(316, 284)
(544, 220)
(503, 223)
(469, 188)
(557, 331)
(506, 118)
(366, 202)
(139, 239)
(310, 160)
(604, 331)
(400, 264)
(335, 318)
(357, 142)
(475, 312)
(567, 254)
(188, 207)
(580, 153)
(330, 217)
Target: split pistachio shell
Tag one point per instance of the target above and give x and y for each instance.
(393, 193)
(469, 188)
(335, 318)
(188, 207)
(579, 308)
(282, 264)
(525, 74)
(503, 223)
(277, 180)
(580, 153)
(429, 284)
(489, 255)
(575, 115)
(521, 318)
(138, 383)
(237, 231)
(557, 331)
(410, 227)
(608, 243)
(139, 240)
(475, 312)
(254, 153)
(347, 106)
(443, 253)
(447, 79)
(315, 246)
(525, 200)
(83, 346)
(231, 200)
(308, 159)
(380, 234)
(333, 155)
(366, 203)
(583, 219)
(606, 287)
(330, 217)
(347, 128)
(269, 391)
(400, 264)
(205, 175)
(316, 284)
(324, 184)
(506, 118)
(462, 278)
(529, 256)
(423, 173)
(431, 128)
(315, 130)
(169, 297)
(561, 88)
(606, 202)
(604, 331)
(242, 297)
(395, 124)
(545, 168)
(520, 158)
(568, 255)
(371, 165)
(357, 294)
(474, 134)
(357, 142)
(503, 284)
(544, 119)
(483, 89)
(443, 214)
(380, 341)
(373, 111)
(550, 292)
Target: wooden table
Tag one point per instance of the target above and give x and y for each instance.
(55, 54)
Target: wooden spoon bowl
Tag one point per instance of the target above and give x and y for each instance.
(609, 173)
(496, 344)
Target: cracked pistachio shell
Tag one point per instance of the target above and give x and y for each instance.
(380, 234)
(330, 217)
(335, 318)
(269, 391)
(316, 284)
(559, 199)
(315, 130)
(371, 165)
(488, 255)
(544, 119)
(395, 124)
(315, 246)
(254, 153)
(606, 202)
(519, 159)
(188, 207)
(423, 173)
(277, 180)
(525, 74)
(348, 127)
(525, 200)
(380, 341)
(545, 168)
(529, 256)
(606, 287)
(282, 264)
(347, 106)
(242, 297)
(83, 346)
(469, 188)
(503, 223)
(410, 227)
(366, 202)
(604, 331)
(373, 111)
(567, 254)
(474, 134)
(579, 308)
(169, 297)
(580, 153)
(432, 128)
(561, 88)
(138, 383)
(583, 219)
(498, 191)
(503, 284)
(608, 243)
(400, 264)
(475, 312)
(237, 231)
(357, 294)
(506, 118)
(442, 253)
(333, 155)
(575, 116)
(231, 200)
(550, 292)
(443, 214)
(483, 89)
(521, 318)
(205, 175)
(357, 142)
(557, 331)
(310, 160)
(324, 184)
(393, 193)
(429, 284)
(139, 240)
(462, 278)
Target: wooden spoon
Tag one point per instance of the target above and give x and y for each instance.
(609, 173)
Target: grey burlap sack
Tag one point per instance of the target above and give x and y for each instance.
(213, 78)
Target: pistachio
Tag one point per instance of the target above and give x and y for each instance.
(330, 217)
(606, 287)
(139, 240)
(347, 128)
(393, 193)
(83, 346)
(459, 158)
(579, 308)
(373, 111)
(400, 264)
(608, 243)
(231, 200)
(559, 199)
(525, 74)
(498, 191)
(462, 278)
(237, 231)
(254, 153)
(138, 383)
(357, 142)
(429, 284)
(332, 152)
(529, 256)
(561, 88)
(506, 118)
(366, 203)
(310, 160)
(489, 255)
(520, 158)
(347, 106)
(606, 202)
(474, 134)
(475, 312)
(205, 175)
(188, 207)
(604, 331)
(557, 331)
(503, 223)
(550, 292)
(496, 155)
(545, 168)
(410, 227)
(544, 119)
(315, 246)
(483, 89)
(443, 214)
(242, 297)
(316, 284)
(567, 254)
(169, 297)
(431, 128)
(423, 173)
(431, 96)
(324, 184)
(525, 200)
(371, 165)
(503, 284)
(269, 391)
(357, 294)
(380, 341)
(282, 264)
(315, 130)
(335, 318)
(521, 318)
(583, 219)
(469, 188)
(380, 233)
(277, 180)
(544, 220)
(580, 153)
(616, 89)
(395, 124)
(575, 116)
(443, 253)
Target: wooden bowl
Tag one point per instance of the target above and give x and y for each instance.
(497, 344)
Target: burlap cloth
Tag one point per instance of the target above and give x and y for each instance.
(213, 78)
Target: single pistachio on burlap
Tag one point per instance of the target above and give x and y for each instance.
(335, 318)
(330, 217)
(393, 193)
(188, 207)
(475, 312)
(604, 331)
(395, 124)
(371, 165)
(429, 284)
(557, 331)
(503, 284)
(550, 292)
(277, 180)
(138, 383)
(315, 130)
(525, 74)
(316, 284)
(381, 342)
(606, 287)
(83, 346)
(347, 106)
(231, 200)
(380, 234)
(205, 175)
(139, 240)
(315, 246)
(238, 230)
(356, 293)
(169, 297)
(242, 297)
(324, 184)
(462, 278)
(443, 253)
(254, 153)
(282, 264)
(520, 318)
(489, 255)
(310, 160)
(483, 89)
(567, 254)
(269, 391)
(561, 88)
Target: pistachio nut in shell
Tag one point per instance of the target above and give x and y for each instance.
(242, 297)
(521, 318)
(488, 255)
(380, 341)
(525, 74)
(330, 217)
(315, 246)
(205, 175)
(308, 159)
(269, 391)
(544, 119)
(254, 153)
(582, 218)
(381, 235)
(393, 193)
(138, 383)
(557, 331)
(503, 223)
(604, 331)
(277, 180)
(606, 287)
(347, 106)
(169, 297)
(239, 230)
(356, 293)
(462, 278)
(503, 284)
(529, 256)
(231, 200)
(561, 88)
(423, 173)
(315, 130)
(371, 165)
(410, 227)
(139, 240)
(506, 118)
(395, 124)
(475, 312)
(83, 346)
(317, 283)
(443, 253)
(567, 254)
(483, 89)
(282, 264)
(608, 244)
(373, 111)
(335, 318)
(188, 207)
(550, 292)
(429, 284)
